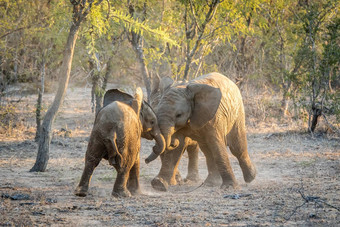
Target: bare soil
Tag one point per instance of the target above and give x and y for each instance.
(298, 181)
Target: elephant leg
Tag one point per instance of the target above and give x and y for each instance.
(219, 151)
(193, 175)
(213, 178)
(176, 155)
(167, 173)
(123, 174)
(120, 186)
(133, 182)
(92, 160)
(176, 177)
(237, 142)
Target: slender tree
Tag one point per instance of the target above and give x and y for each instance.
(195, 30)
(81, 9)
(137, 41)
(40, 97)
(319, 51)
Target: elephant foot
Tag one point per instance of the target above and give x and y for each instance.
(175, 179)
(159, 184)
(121, 193)
(192, 178)
(249, 174)
(178, 178)
(227, 185)
(81, 192)
(111, 161)
(135, 191)
(213, 180)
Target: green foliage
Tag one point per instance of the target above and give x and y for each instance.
(30, 31)
(319, 56)
(140, 27)
(291, 46)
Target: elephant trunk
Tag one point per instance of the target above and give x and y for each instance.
(158, 148)
(171, 143)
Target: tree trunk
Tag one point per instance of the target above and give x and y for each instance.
(97, 83)
(15, 76)
(316, 113)
(100, 97)
(285, 98)
(40, 94)
(45, 135)
(141, 58)
(107, 73)
(284, 105)
(2, 83)
(188, 61)
(136, 40)
(191, 34)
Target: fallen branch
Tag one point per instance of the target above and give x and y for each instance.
(185, 192)
(308, 199)
(237, 196)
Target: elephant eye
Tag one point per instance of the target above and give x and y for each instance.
(152, 122)
(178, 115)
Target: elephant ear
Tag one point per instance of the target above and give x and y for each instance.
(165, 84)
(206, 100)
(155, 94)
(116, 95)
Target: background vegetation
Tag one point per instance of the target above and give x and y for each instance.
(286, 49)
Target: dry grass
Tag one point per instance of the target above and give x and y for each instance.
(288, 161)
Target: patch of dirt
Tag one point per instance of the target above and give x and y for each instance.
(297, 182)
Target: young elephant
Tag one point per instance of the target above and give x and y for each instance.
(116, 136)
(169, 174)
(209, 110)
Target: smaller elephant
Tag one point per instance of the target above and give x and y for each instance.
(115, 136)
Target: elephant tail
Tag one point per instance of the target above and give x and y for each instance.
(115, 157)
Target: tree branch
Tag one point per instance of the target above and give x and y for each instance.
(15, 30)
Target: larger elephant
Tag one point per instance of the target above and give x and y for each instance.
(168, 173)
(209, 110)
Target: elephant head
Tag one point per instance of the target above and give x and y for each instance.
(159, 87)
(186, 106)
(147, 117)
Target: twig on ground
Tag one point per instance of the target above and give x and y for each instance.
(308, 199)
(237, 196)
(192, 189)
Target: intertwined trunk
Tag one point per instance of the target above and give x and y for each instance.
(168, 132)
(159, 147)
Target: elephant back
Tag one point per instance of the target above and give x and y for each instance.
(113, 95)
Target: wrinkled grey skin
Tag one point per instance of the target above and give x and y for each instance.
(148, 119)
(209, 110)
(169, 174)
(116, 137)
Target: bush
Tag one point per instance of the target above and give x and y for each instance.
(9, 119)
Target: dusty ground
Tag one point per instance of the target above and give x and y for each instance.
(298, 181)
